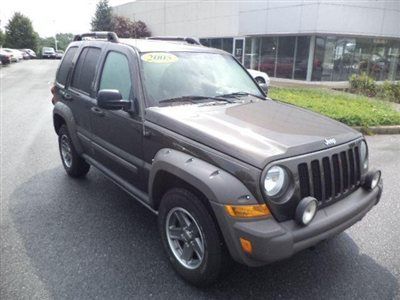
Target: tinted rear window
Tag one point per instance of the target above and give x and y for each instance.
(65, 65)
(85, 69)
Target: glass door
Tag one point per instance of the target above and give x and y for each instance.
(238, 49)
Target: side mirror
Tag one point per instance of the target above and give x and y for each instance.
(112, 100)
(264, 87)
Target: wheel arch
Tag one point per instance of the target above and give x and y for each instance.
(62, 115)
(58, 121)
(174, 168)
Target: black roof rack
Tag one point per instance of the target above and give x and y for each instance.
(110, 36)
(188, 40)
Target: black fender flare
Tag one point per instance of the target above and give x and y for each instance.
(216, 184)
(65, 112)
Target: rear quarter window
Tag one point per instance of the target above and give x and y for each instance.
(66, 65)
(85, 69)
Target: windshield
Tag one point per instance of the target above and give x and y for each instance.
(181, 74)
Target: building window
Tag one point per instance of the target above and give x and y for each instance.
(285, 57)
(337, 58)
(301, 53)
(225, 44)
(268, 47)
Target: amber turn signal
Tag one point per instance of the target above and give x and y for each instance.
(246, 245)
(248, 211)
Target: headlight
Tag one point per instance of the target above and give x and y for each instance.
(364, 155)
(275, 181)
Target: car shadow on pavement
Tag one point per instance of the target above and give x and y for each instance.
(88, 239)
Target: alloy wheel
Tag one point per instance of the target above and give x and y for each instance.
(185, 238)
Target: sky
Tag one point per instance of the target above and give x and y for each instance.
(51, 17)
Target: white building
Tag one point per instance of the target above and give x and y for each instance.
(300, 39)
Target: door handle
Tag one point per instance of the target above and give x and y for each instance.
(97, 111)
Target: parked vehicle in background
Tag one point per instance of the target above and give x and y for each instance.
(260, 77)
(30, 52)
(48, 52)
(5, 57)
(24, 54)
(16, 55)
(59, 54)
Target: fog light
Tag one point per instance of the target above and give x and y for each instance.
(372, 179)
(306, 210)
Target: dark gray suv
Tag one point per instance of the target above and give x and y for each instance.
(188, 133)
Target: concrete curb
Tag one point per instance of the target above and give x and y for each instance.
(379, 129)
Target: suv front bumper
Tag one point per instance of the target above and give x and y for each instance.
(272, 240)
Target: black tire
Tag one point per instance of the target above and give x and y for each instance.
(260, 80)
(216, 258)
(75, 167)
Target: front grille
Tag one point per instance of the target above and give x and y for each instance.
(331, 176)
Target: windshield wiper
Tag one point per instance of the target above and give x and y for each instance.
(194, 99)
(242, 94)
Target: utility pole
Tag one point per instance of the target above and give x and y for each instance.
(55, 35)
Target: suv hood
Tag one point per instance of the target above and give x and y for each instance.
(254, 132)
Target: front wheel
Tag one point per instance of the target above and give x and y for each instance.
(190, 237)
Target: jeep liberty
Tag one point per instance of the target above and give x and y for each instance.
(187, 132)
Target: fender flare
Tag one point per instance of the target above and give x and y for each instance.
(216, 184)
(65, 112)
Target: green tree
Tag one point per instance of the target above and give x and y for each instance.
(125, 28)
(20, 33)
(46, 42)
(141, 30)
(2, 37)
(63, 40)
(102, 20)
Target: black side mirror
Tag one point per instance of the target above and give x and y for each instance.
(112, 100)
(264, 87)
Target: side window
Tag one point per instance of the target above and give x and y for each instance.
(85, 69)
(116, 74)
(65, 65)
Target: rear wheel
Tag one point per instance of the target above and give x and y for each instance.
(74, 165)
(260, 80)
(191, 238)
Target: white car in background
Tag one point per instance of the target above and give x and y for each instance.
(259, 76)
(16, 55)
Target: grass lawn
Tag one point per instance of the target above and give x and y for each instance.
(353, 110)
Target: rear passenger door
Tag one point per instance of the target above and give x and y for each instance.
(81, 96)
(117, 134)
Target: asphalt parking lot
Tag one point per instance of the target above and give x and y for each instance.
(65, 238)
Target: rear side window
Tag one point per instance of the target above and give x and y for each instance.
(66, 65)
(116, 74)
(85, 69)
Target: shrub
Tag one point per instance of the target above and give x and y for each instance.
(363, 84)
(390, 90)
